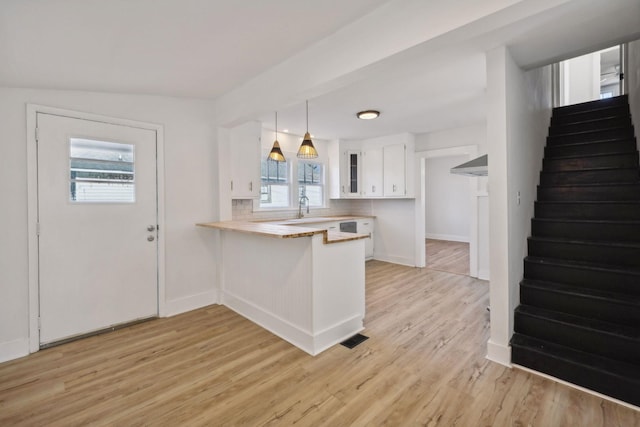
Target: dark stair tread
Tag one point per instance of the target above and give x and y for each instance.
(590, 131)
(623, 370)
(619, 330)
(593, 184)
(592, 155)
(590, 169)
(577, 290)
(597, 104)
(592, 202)
(610, 243)
(599, 141)
(592, 221)
(587, 265)
(592, 120)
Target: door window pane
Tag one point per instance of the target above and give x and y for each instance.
(101, 171)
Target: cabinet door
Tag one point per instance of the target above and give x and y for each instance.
(353, 174)
(365, 226)
(245, 161)
(394, 170)
(372, 182)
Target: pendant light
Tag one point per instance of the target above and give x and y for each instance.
(307, 150)
(276, 153)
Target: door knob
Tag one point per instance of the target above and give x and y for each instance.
(151, 238)
(151, 228)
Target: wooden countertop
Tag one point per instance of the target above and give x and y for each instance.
(315, 219)
(283, 231)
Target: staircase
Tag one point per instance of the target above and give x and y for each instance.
(579, 313)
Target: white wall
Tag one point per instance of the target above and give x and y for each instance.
(190, 197)
(447, 200)
(519, 109)
(394, 231)
(475, 134)
(633, 84)
(581, 79)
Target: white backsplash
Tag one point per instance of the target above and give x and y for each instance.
(242, 210)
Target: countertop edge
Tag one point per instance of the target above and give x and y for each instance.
(282, 231)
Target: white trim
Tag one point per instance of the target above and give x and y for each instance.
(448, 237)
(463, 150)
(577, 387)
(313, 344)
(32, 204)
(395, 259)
(483, 274)
(14, 349)
(191, 302)
(499, 353)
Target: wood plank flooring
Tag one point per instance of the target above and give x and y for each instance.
(424, 364)
(444, 255)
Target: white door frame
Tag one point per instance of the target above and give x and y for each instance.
(32, 209)
(421, 157)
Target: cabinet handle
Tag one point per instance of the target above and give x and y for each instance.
(394, 188)
(373, 188)
(343, 188)
(251, 186)
(231, 185)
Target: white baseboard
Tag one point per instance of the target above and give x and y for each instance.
(499, 353)
(14, 349)
(483, 274)
(337, 333)
(191, 302)
(305, 340)
(395, 260)
(449, 237)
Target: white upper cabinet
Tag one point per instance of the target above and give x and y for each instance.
(245, 161)
(395, 170)
(373, 168)
(352, 185)
(372, 181)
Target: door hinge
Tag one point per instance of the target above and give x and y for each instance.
(37, 134)
(37, 228)
(39, 322)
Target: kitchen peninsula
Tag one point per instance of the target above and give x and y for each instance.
(304, 284)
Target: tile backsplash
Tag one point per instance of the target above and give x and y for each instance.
(242, 210)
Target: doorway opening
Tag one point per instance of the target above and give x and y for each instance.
(596, 75)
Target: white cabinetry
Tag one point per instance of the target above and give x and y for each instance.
(395, 170)
(372, 180)
(245, 161)
(351, 187)
(365, 226)
(373, 168)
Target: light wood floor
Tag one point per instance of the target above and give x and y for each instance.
(443, 255)
(424, 364)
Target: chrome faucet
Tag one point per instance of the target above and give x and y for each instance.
(302, 199)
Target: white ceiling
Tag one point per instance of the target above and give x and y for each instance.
(189, 48)
(206, 48)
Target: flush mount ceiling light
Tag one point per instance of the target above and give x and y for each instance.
(276, 153)
(307, 150)
(368, 114)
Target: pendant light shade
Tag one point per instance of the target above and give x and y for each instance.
(276, 153)
(307, 150)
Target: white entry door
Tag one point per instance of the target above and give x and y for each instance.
(97, 215)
